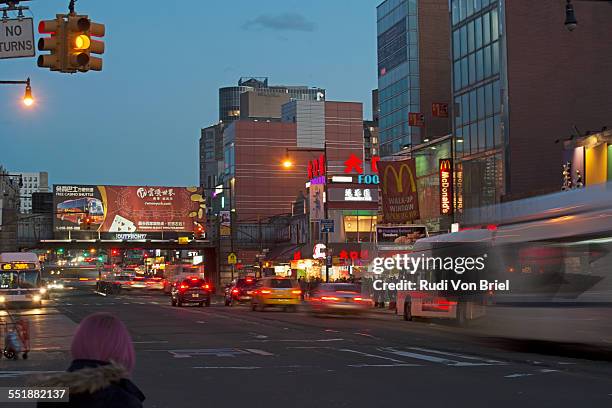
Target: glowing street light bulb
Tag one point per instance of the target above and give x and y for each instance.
(287, 164)
(28, 99)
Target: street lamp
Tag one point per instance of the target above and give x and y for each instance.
(28, 99)
(570, 16)
(287, 164)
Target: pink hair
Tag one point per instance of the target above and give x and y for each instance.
(103, 337)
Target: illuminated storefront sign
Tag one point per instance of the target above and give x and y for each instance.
(316, 168)
(354, 164)
(318, 251)
(357, 194)
(368, 179)
(353, 194)
(446, 186)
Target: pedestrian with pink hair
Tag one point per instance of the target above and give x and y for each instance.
(103, 360)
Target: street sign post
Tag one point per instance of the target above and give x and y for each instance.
(327, 226)
(17, 38)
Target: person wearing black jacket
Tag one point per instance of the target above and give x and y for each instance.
(99, 375)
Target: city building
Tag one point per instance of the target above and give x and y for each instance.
(414, 72)
(521, 82)
(9, 208)
(229, 97)
(266, 165)
(31, 183)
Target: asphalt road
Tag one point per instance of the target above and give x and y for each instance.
(232, 356)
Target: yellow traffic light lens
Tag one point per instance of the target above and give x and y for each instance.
(82, 42)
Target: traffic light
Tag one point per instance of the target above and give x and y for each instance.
(114, 252)
(55, 43)
(60, 251)
(71, 44)
(80, 45)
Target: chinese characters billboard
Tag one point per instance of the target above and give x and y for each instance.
(128, 209)
(400, 200)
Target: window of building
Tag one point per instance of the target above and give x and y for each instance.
(486, 28)
(359, 228)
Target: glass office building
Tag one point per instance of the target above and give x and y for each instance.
(478, 84)
(398, 73)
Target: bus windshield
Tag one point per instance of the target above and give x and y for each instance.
(19, 279)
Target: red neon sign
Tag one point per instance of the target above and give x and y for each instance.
(446, 186)
(316, 167)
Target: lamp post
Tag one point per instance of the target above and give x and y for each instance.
(570, 16)
(28, 99)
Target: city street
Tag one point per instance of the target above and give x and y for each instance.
(194, 357)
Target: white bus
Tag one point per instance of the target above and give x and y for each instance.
(20, 280)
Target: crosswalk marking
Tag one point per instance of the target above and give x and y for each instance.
(446, 353)
(375, 356)
(440, 360)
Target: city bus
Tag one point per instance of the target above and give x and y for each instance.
(75, 210)
(20, 279)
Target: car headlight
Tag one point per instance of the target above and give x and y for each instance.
(43, 291)
(36, 298)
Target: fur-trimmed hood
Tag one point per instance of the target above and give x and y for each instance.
(89, 377)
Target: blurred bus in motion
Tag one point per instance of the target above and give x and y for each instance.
(556, 253)
(20, 280)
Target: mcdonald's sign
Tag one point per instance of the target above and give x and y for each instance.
(446, 186)
(400, 199)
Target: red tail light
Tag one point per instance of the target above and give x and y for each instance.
(194, 279)
(358, 299)
(235, 290)
(206, 286)
(330, 298)
(184, 287)
(296, 292)
(265, 291)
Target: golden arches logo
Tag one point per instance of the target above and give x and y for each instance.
(445, 164)
(398, 178)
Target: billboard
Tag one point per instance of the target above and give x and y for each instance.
(400, 200)
(128, 210)
(399, 234)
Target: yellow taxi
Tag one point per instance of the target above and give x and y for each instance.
(278, 292)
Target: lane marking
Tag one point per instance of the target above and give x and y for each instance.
(259, 352)
(150, 341)
(375, 356)
(383, 365)
(13, 374)
(201, 321)
(230, 368)
(367, 335)
(434, 359)
(446, 353)
(517, 375)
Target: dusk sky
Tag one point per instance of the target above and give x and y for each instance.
(138, 121)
